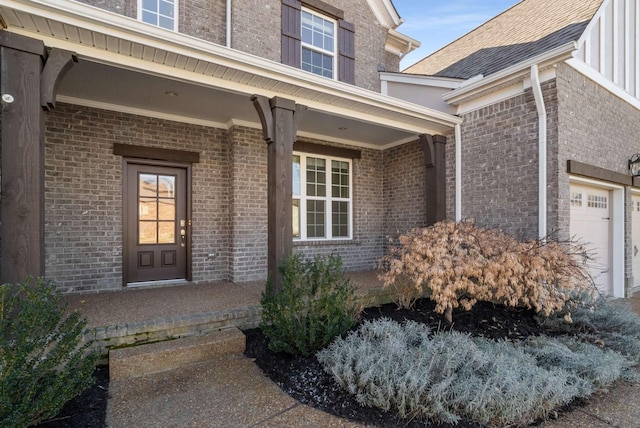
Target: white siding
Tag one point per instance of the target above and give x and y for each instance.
(611, 46)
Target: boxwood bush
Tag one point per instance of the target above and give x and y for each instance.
(316, 304)
(43, 361)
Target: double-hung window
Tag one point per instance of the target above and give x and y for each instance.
(322, 198)
(317, 39)
(162, 13)
(319, 45)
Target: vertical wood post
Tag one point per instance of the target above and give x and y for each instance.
(27, 86)
(279, 118)
(433, 148)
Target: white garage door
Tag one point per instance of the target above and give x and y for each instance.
(591, 223)
(635, 238)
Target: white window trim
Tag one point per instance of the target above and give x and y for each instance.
(328, 206)
(175, 16)
(334, 54)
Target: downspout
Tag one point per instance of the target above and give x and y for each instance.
(458, 136)
(542, 151)
(228, 23)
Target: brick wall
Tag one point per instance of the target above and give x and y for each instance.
(499, 166)
(83, 200)
(256, 27)
(122, 7)
(83, 197)
(404, 189)
(248, 205)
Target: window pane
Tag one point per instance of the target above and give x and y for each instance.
(148, 185)
(147, 232)
(315, 219)
(340, 219)
(306, 34)
(165, 22)
(296, 175)
(339, 179)
(167, 209)
(316, 177)
(166, 186)
(147, 209)
(149, 17)
(166, 232)
(150, 5)
(296, 218)
(166, 8)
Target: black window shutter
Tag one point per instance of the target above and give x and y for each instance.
(346, 52)
(291, 32)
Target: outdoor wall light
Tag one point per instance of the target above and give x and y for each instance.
(634, 165)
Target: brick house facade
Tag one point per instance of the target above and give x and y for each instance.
(157, 104)
(563, 84)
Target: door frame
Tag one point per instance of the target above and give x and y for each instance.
(125, 206)
(617, 256)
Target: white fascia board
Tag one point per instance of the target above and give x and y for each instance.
(510, 75)
(400, 44)
(601, 80)
(98, 20)
(385, 13)
(503, 93)
(421, 80)
(592, 24)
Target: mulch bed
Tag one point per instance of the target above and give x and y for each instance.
(304, 379)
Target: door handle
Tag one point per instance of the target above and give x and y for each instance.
(183, 233)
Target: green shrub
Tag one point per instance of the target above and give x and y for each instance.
(447, 376)
(316, 304)
(43, 363)
(458, 264)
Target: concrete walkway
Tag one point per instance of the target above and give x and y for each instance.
(231, 391)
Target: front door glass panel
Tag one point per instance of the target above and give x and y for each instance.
(156, 209)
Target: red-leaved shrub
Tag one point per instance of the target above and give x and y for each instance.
(460, 264)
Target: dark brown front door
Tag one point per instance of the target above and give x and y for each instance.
(156, 223)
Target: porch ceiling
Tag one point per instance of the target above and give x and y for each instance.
(131, 66)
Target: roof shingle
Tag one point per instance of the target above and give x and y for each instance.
(529, 28)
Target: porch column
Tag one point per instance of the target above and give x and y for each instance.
(435, 176)
(279, 118)
(28, 83)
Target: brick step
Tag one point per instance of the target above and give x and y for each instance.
(157, 357)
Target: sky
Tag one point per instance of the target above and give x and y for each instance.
(435, 23)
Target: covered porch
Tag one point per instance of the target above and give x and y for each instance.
(140, 96)
(137, 316)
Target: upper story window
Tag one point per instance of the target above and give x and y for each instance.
(322, 197)
(316, 38)
(318, 44)
(162, 13)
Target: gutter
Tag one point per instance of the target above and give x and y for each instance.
(542, 151)
(511, 74)
(458, 136)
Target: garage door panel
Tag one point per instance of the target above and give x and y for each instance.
(591, 224)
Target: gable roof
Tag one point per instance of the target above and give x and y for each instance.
(527, 29)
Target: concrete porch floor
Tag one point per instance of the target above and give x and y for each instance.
(143, 315)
